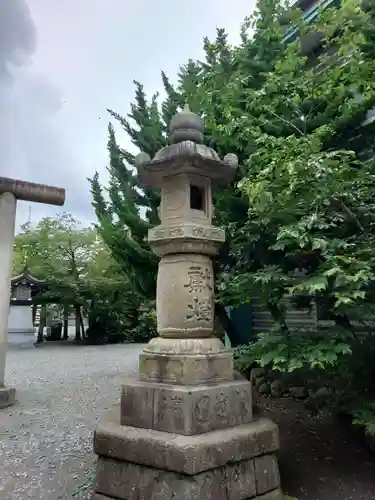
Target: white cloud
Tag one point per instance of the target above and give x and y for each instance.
(83, 60)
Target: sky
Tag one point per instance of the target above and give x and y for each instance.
(64, 62)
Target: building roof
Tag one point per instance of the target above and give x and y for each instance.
(26, 279)
(310, 10)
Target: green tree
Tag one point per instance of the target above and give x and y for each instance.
(308, 190)
(309, 183)
(303, 197)
(74, 262)
(255, 97)
(125, 213)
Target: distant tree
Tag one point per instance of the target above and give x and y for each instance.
(73, 260)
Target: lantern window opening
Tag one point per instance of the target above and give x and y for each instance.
(198, 198)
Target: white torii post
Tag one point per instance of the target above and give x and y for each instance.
(12, 190)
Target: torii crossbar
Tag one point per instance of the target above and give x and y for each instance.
(12, 190)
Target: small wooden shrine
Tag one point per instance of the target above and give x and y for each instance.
(24, 290)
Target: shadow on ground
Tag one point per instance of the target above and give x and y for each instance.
(320, 458)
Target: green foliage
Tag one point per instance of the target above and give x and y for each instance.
(55, 247)
(365, 417)
(126, 218)
(300, 350)
(303, 197)
(60, 251)
(353, 379)
(145, 328)
(125, 212)
(78, 269)
(352, 382)
(310, 227)
(344, 366)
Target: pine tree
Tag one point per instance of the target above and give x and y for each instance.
(125, 212)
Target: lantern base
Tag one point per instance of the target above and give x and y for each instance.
(237, 463)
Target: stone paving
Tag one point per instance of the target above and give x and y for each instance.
(46, 439)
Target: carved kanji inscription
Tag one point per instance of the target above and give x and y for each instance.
(200, 279)
(200, 309)
(222, 407)
(200, 285)
(202, 409)
(198, 231)
(169, 404)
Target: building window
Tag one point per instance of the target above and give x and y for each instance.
(197, 198)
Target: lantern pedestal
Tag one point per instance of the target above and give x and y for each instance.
(235, 463)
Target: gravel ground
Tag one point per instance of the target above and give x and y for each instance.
(46, 439)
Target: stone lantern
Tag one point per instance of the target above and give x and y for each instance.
(185, 427)
(186, 351)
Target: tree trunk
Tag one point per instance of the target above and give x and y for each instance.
(66, 324)
(34, 312)
(278, 317)
(78, 337)
(81, 324)
(42, 323)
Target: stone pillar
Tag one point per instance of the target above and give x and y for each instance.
(185, 427)
(10, 191)
(8, 205)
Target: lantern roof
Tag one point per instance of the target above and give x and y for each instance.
(186, 153)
